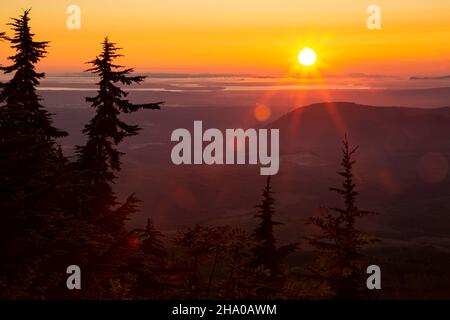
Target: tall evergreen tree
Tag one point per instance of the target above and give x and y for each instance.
(31, 165)
(268, 259)
(266, 252)
(340, 242)
(99, 161)
(99, 157)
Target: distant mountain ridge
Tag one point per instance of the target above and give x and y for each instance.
(320, 127)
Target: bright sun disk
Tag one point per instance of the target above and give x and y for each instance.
(307, 57)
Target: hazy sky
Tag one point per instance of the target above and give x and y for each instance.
(245, 36)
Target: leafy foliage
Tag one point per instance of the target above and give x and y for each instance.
(215, 262)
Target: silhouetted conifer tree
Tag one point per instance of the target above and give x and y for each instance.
(99, 161)
(31, 167)
(22, 113)
(340, 242)
(266, 253)
(99, 156)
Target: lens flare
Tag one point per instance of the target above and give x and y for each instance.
(262, 112)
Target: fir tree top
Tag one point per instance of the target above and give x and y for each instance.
(106, 130)
(264, 231)
(339, 241)
(22, 112)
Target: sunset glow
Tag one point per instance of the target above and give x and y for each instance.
(171, 151)
(204, 36)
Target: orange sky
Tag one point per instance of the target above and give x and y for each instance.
(245, 36)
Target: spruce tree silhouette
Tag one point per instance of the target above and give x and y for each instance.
(339, 243)
(99, 161)
(31, 165)
(22, 112)
(99, 156)
(266, 253)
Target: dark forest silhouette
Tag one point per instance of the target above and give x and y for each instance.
(55, 212)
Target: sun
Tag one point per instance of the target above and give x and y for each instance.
(307, 57)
